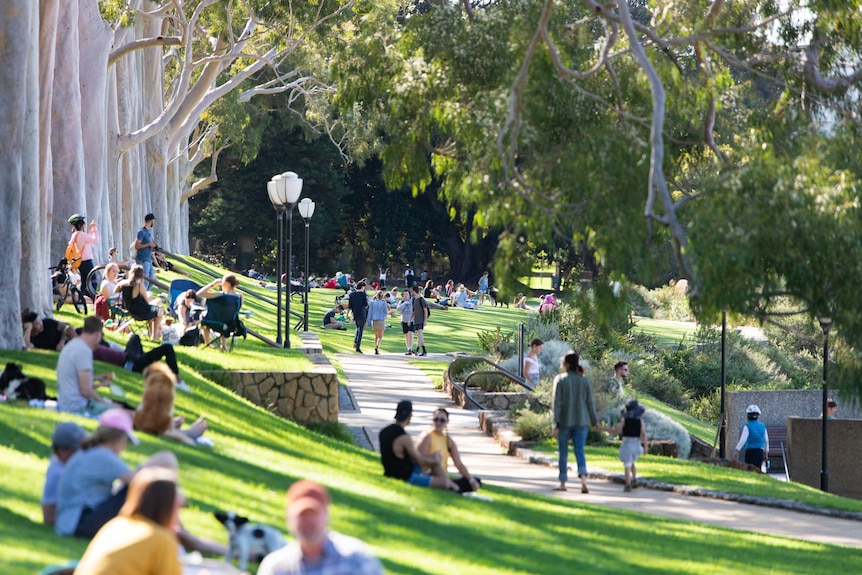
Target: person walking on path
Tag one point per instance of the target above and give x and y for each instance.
(421, 311)
(357, 303)
(378, 311)
(574, 413)
(405, 308)
(532, 368)
(634, 440)
(144, 244)
(753, 439)
(314, 548)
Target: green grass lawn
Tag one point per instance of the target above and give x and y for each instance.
(256, 456)
(666, 332)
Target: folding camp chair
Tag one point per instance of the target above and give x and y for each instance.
(177, 288)
(222, 317)
(125, 316)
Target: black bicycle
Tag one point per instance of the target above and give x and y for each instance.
(64, 288)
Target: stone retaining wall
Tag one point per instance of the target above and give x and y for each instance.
(300, 396)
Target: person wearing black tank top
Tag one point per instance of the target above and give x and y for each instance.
(634, 439)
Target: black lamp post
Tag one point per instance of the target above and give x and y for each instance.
(306, 210)
(722, 430)
(279, 223)
(826, 326)
(284, 191)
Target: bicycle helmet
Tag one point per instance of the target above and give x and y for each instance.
(76, 218)
(752, 409)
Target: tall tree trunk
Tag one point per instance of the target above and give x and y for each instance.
(19, 155)
(95, 37)
(67, 145)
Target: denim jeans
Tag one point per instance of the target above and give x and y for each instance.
(360, 328)
(578, 434)
(148, 270)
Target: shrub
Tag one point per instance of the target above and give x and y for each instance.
(651, 378)
(660, 426)
(533, 426)
(543, 327)
(707, 407)
(497, 342)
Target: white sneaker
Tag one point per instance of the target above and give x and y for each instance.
(181, 385)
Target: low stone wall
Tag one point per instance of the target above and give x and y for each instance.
(494, 401)
(300, 396)
(844, 436)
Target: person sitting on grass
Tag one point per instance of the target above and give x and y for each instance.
(65, 441)
(329, 318)
(402, 461)
(520, 301)
(462, 298)
(45, 333)
(141, 538)
(438, 440)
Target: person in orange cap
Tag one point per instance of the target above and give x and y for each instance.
(314, 546)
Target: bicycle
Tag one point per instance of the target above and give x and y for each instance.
(64, 288)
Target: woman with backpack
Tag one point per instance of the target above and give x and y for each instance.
(79, 252)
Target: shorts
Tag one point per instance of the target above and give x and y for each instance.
(406, 327)
(418, 478)
(378, 324)
(630, 450)
(418, 326)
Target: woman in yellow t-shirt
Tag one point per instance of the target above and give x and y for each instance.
(141, 539)
(436, 440)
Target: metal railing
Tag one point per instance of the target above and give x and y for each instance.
(498, 371)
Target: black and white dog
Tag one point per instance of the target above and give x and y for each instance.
(249, 541)
(16, 385)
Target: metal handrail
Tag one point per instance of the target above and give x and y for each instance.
(462, 385)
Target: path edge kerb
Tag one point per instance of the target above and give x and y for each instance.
(500, 428)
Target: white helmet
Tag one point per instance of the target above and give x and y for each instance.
(752, 409)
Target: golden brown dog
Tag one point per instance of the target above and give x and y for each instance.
(155, 413)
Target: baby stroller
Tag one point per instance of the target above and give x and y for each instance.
(64, 287)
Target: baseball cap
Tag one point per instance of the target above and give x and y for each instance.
(404, 410)
(149, 217)
(119, 419)
(305, 495)
(68, 435)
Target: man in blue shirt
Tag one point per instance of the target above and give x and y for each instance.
(316, 549)
(144, 245)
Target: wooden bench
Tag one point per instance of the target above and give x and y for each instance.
(777, 441)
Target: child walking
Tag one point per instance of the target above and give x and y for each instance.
(634, 440)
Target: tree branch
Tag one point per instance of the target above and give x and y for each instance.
(143, 43)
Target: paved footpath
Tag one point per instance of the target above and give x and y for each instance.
(377, 383)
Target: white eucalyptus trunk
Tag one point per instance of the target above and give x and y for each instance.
(67, 144)
(19, 154)
(95, 37)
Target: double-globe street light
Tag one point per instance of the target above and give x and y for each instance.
(306, 210)
(284, 191)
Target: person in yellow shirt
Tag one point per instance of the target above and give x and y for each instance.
(437, 440)
(141, 539)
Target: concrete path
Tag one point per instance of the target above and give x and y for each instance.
(377, 383)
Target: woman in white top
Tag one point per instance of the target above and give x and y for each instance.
(531, 362)
(108, 289)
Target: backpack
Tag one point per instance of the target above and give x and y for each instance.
(73, 254)
(103, 309)
(425, 306)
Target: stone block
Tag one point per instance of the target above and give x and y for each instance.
(252, 394)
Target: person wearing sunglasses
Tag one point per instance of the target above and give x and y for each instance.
(437, 440)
